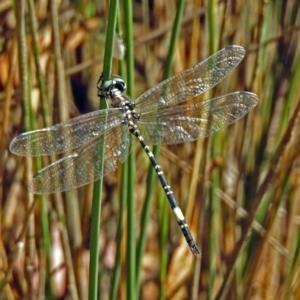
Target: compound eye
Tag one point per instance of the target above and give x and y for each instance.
(119, 84)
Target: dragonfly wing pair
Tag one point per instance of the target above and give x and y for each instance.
(160, 122)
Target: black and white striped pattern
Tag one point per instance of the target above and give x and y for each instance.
(171, 198)
(165, 185)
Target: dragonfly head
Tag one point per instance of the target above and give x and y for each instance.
(111, 87)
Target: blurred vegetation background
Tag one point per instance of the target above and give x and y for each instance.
(239, 188)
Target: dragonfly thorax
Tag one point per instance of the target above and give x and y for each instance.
(130, 116)
(113, 89)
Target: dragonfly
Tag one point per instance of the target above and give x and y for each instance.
(157, 117)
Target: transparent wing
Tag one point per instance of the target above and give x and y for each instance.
(84, 165)
(65, 136)
(186, 123)
(191, 82)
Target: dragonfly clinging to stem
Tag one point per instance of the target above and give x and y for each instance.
(155, 118)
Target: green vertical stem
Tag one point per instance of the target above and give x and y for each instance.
(213, 37)
(212, 211)
(212, 28)
(110, 37)
(117, 267)
(164, 225)
(174, 38)
(131, 245)
(97, 192)
(41, 84)
(115, 278)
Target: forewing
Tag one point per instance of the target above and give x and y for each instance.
(191, 82)
(65, 136)
(186, 123)
(84, 165)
